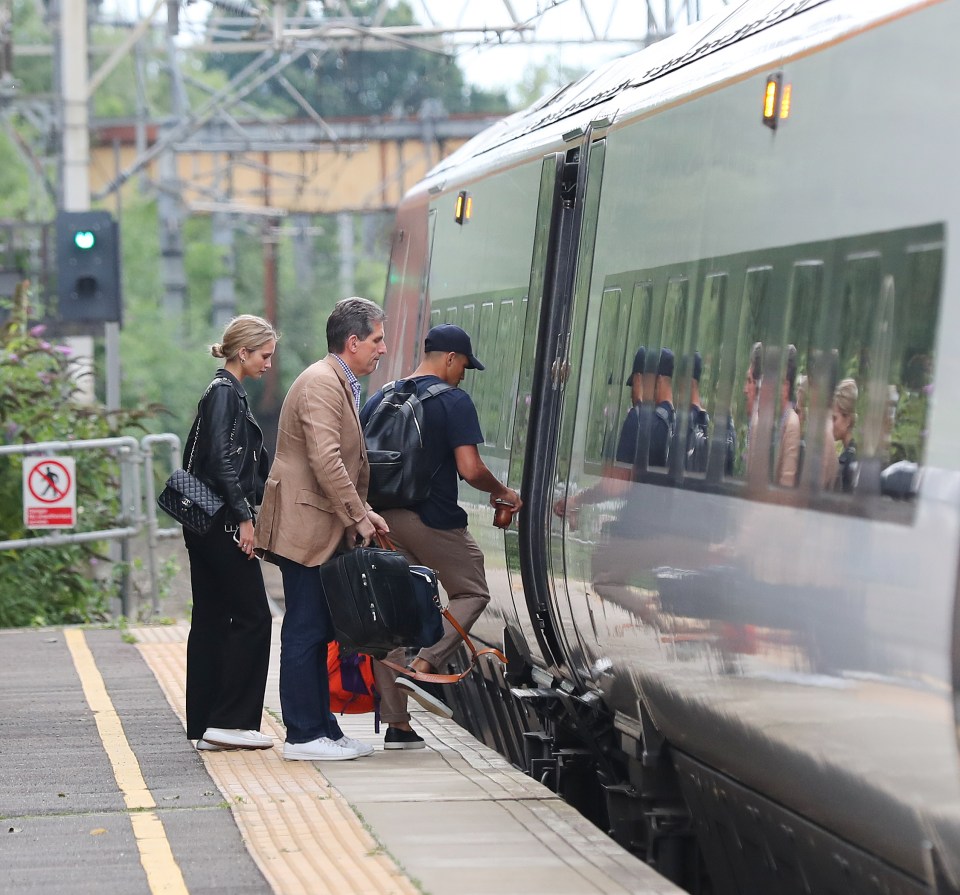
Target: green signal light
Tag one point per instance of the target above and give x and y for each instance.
(84, 239)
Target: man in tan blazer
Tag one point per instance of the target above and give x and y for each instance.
(315, 500)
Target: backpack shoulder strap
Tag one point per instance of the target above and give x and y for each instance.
(666, 416)
(436, 389)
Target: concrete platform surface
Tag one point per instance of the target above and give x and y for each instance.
(100, 791)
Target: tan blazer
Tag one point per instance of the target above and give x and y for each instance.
(788, 454)
(318, 482)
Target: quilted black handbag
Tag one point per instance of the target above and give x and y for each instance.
(191, 502)
(188, 500)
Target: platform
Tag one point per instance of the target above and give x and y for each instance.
(102, 792)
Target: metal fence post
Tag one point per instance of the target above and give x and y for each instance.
(154, 532)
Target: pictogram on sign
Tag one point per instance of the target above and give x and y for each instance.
(49, 492)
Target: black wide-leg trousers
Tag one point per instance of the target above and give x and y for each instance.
(228, 650)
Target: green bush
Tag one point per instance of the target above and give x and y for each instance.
(38, 402)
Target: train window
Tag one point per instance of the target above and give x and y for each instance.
(468, 320)
(636, 354)
(815, 368)
(641, 309)
(608, 378)
(507, 349)
(911, 380)
(484, 343)
(852, 361)
(675, 315)
(701, 427)
(805, 313)
(512, 371)
(749, 355)
(664, 442)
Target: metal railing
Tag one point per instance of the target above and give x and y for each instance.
(138, 504)
(154, 531)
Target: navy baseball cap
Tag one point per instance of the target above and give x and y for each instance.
(639, 359)
(665, 367)
(448, 337)
(697, 366)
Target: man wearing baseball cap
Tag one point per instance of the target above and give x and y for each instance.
(447, 338)
(434, 532)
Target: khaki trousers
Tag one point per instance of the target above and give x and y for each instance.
(458, 562)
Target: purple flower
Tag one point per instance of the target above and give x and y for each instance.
(13, 358)
(928, 388)
(45, 346)
(38, 330)
(65, 350)
(45, 378)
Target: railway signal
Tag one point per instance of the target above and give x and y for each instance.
(88, 267)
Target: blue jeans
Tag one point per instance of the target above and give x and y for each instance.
(306, 631)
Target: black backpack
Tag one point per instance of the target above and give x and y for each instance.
(399, 475)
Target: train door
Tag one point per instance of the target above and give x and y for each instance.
(569, 198)
(564, 549)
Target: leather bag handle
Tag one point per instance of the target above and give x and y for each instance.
(385, 542)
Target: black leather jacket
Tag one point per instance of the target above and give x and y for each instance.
(230, 456)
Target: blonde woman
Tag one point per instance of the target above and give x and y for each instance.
(842, 475)
(228, 650)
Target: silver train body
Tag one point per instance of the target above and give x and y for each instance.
(767, 668)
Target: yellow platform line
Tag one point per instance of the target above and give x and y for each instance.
(163, 873)
(300, 831)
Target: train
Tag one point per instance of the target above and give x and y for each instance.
(746, 675)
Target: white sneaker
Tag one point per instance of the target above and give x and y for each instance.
(204, 746)
(358, 746)
(237, 739)
(321, 749)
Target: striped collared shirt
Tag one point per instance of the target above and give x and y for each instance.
(354, 382)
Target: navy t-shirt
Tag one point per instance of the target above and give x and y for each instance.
(629, 434)
(664, 421)
(661, 433)
(449, 421)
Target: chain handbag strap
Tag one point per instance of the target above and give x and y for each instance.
(196, 435)
(196, 438)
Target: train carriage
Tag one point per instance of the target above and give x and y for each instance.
(747, 674)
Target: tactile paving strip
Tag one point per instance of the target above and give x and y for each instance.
(301, 832)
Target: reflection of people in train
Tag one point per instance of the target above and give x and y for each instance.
(751, 391)
(801, 408)
(665, 417)
(613, 482)
(788, 447)
(629, 430)
(841, 473)
(698, 426)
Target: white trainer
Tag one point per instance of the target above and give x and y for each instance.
(321, 749)
(204, 746)
(361, 748)
(237, 739)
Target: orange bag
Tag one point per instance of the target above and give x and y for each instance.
(352, 688)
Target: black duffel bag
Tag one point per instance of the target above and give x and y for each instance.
(379, 602)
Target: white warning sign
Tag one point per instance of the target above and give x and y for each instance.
(49, 492)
